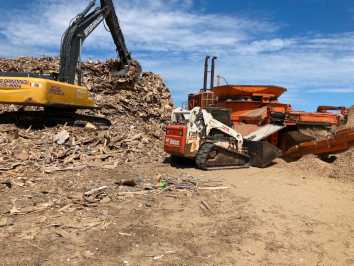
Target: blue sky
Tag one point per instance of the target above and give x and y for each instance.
(304, 45)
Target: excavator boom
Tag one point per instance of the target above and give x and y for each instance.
(81, 27)
(73, 39)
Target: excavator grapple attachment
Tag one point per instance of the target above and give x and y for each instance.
(128, 69)
(261, 153)
(126, 73)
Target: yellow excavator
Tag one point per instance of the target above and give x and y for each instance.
(63, 92)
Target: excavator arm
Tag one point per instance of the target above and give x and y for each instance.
(81, 27)
(116, 31)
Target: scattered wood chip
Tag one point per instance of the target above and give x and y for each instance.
(61, 137)
(213, 188)
(206, 206)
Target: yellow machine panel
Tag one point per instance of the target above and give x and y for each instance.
(44, 92)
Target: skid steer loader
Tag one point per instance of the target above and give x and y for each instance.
(207, 136)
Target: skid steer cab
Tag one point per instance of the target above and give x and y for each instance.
(207, 136)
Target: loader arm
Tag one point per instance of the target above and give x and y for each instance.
(211, 123)
(201, 120)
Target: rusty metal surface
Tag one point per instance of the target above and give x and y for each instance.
(339, 142)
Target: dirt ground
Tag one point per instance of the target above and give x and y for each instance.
(273, 216)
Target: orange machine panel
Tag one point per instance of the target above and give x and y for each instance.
(202, 99)
(240, 109)
(340, 142)
(314, 118)
(249, 90)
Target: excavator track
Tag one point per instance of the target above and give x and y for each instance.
(212, 157)
(52, 117)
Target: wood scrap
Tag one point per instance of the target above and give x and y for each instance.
(138, 112)
(212, 188)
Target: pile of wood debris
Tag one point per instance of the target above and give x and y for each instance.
(137, 110)
(343, 166)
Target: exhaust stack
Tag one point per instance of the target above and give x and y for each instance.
(206, 71)
(212, 74)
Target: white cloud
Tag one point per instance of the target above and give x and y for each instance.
(264, 46)
(169, 37)
(149, 25)
(333, 90)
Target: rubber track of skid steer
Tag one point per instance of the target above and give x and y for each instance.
(202, 158)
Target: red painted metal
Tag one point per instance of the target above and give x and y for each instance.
(175, 140)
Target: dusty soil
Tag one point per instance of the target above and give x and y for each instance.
(273, 216)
